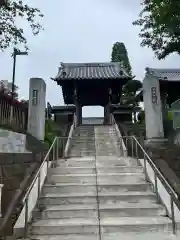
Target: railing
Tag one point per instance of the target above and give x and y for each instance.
(32, 195)
(29, 200)
(151, 172)
(161, 186)
(153, 175)
(122, 145)
(13, 114)
(68, 144)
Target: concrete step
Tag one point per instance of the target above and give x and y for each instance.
(120, 169)
(147, 197)
(71, 170)
(91, 178)
(131, 210)
(81, 153)
(71, 198)
(83, 141)
(68, 211)
(136, 225)
(65, 237)
(69, 188)
(84, 188)
(124, 187)
(104, 198)
(139, 236)
(121, 178)
(66, 226)
(106, 211)
(76, 163)
(72, 178)
(90, 170)
(114, 163)
(111, 236)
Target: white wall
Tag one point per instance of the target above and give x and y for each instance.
(32, 200)
(162, 191)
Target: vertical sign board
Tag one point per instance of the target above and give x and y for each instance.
(154, 95)
(176, 114)
(35, 97)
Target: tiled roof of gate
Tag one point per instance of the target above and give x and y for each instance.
(169, 74)
(91, 71)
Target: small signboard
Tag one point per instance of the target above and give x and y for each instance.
(176, 114)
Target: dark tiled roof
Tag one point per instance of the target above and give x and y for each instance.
(91, 71)
(169, 74)
(63, 108)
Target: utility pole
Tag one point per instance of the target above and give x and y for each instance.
(16, 52)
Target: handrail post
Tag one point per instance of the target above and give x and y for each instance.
(39, 184)
(126, 142)
(47, 164)
(136, 150)
(26, 218)
(53, 152)
(57, 148)
(173, 215)
(132, 146)
(156, 187)
(121, 146)
(63, 143)
(145, 168)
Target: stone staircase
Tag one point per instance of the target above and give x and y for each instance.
(82, 143)
(102, 196)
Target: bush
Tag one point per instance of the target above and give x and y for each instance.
(49, 132)
(141, 117)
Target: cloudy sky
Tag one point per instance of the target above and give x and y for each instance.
(79, 31)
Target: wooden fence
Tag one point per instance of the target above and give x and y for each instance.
(13, 114)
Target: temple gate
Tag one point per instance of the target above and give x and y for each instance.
(91, 84)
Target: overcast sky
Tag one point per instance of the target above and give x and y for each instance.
(80, 31)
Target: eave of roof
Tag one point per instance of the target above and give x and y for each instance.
(166, 74)
(80, 71)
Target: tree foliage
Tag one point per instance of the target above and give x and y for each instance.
(120, 54)
(10, 32)
(160, 26)
(129, 93)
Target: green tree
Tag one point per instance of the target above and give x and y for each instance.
(160, 26)
(120, 54)
(129, 93)
(10, 32)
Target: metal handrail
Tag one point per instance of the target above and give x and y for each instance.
(157, 174)
(122, 144)
(40, 168)
(154, 166)
(54, 146)
(161, 177)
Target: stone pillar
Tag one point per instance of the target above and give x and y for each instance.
(153, 109)
(1, 186)
(107, 108)
(107, 114)
(78, 113)
(37, 106)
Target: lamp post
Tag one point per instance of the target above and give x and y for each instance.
(16, 52)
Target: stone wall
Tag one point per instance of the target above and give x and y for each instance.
(20, 156)
(12, 142)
